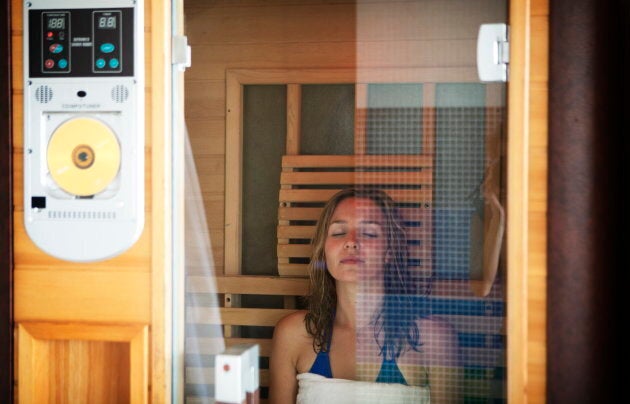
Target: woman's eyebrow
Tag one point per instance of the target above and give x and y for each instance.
(371, 222)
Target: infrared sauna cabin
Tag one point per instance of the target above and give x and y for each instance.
(285, 103)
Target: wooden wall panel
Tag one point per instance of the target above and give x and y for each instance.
(83, 329)
(537, 213)
(70, 363)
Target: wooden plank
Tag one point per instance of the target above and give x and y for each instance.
(517, 202)
(236, 316)
(296, 231)
(430, 62)
(294, 118)
(207, 137)
(424, 177)
(258, 285)
(53, 295)
(274, 23)
(308, 232)
(210, 346)
(139, 368)
(233, 175)
(81, 331)
(328, 161)
(264, 344)
(421, 253)
(375, 19)
(291, 213)
(536, 353)
(323, 195)
(292, 270)
(158, 14)
(294, 250)
(422, 214)
(26, 346)
(108, 363)
(387, 21)
(360, 117)
(305, 251)
(205, 99)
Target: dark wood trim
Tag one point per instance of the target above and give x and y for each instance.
(6, 209)
(586, 180)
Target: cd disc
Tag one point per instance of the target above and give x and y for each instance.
(83, 156)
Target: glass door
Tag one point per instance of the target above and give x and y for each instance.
(288, 103)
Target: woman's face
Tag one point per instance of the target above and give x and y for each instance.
(356, 241)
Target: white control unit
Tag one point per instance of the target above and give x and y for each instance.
(84, 126)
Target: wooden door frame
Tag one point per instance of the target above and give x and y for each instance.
(6, 210)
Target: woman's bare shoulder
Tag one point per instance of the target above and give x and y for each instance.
(290, 327)
(438, 339)
(292, 343)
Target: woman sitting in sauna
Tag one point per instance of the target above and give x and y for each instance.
(363, 338)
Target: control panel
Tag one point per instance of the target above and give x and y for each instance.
(81, 42)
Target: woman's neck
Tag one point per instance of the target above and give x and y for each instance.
(346, 305)
(356, 308)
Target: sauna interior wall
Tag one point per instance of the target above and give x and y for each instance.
(255, 34)
(287, 34)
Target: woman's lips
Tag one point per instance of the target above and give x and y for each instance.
(351, 260)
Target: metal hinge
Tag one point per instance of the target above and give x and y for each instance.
(493, 52)
(181, 54)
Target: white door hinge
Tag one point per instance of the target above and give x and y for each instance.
(493, 52)
(181, 54)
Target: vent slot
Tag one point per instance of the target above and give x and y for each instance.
(81, 215)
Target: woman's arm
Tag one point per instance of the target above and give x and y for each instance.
(440, 356)
(285, 351)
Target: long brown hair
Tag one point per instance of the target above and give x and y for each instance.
(392, 332)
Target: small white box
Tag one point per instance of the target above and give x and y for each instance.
(237, 375)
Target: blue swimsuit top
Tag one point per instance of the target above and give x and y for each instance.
(389, 372)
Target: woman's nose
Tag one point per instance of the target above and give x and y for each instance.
(351, 245)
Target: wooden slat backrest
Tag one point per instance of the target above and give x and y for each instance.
(240, 317)
(308, 181)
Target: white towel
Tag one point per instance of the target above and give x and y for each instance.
(317, 389)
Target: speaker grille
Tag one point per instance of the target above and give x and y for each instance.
(43, 94)
(78, 215)
(120, 93)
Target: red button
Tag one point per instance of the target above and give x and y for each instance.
(49, 63)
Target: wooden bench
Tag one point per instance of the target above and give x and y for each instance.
(231, 288)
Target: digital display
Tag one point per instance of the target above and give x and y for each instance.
(107, 22)
(56, 23)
